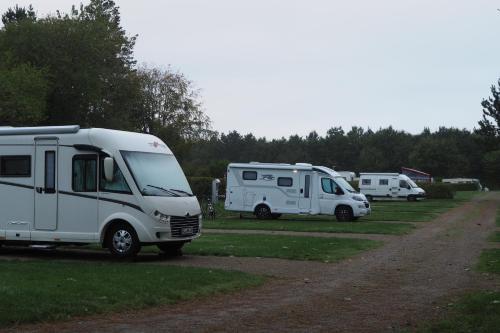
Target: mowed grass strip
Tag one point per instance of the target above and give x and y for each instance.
(489, 261)
(319, 225)
(477, 312)
(46, 291)
(284, 247)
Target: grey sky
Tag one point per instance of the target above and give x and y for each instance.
(277, 68)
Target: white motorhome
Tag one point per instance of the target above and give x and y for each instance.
(463, 181)
(63, 184)
(270, 189)
(389, 186)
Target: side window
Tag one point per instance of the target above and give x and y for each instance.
(285, 181)
(84, 173)
(119, 184)
(366, 181)
(250, 175)
(15, 166)
(327, 185)
(403, 184)
(383, 182)
(307, 185)
(50, 171)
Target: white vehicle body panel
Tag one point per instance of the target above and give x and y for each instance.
(389, 186)
(31, 212)
(300, 193)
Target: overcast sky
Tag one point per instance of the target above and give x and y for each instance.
(276, 68)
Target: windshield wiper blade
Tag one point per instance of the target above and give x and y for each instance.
(164, 189)
(181, 191)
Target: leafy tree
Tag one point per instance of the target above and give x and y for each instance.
(18, 14)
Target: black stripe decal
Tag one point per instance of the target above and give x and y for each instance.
(103, 199)
(17, 185)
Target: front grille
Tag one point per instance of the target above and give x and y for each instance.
(179, 226)
(367, 205)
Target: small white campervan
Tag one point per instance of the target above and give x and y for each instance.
(271, 189)
(389, 186)
(66, 185)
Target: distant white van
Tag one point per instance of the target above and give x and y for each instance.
(389, 186)
(271, 189)
(66, 185)
(347, 175)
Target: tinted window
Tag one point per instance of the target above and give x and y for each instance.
(119, 184)
(306, 186)
(85, 173)
(285, 181)
(15, 166)
(250, 175)
(383, 182)
(50, 171)
(366, 181)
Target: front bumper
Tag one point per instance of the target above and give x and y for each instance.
(362, 209)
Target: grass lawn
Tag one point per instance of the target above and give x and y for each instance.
(494, 237)
(285, 247)
(45, 291)
(318, 225)
(489, 261)
(477, 312)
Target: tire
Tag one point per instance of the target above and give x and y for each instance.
(122, 241)
(171, 248)
(344, 213)
(369, 198)
(275, 216)
(263, 212)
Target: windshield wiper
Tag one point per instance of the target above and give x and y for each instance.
(165, 190)
(181, 191)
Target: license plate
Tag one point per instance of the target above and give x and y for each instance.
(187, 231)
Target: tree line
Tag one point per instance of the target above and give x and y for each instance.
(79, 68)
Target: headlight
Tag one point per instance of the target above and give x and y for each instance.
(165, 219)
(357, 198)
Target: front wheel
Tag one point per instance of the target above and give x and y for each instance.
(344, 214)
(275, 216)
(122, 241)
(411, 198)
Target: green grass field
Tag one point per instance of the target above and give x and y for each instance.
(318, 225)
(477, 312)
(45, 291)
(285, 247)
(489, 261)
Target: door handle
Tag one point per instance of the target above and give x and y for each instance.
(39, 189)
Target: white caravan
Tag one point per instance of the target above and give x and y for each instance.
(63, 184)
(347, 175)
(389, 186)
(270, 189)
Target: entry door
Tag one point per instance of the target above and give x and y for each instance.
(305, 192)
(46, 197)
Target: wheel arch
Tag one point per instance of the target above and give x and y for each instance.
(118, 218)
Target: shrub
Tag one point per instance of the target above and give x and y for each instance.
(438, 190)
(355, 185)
(201, 186)
(464, 187)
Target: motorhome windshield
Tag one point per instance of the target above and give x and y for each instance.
(412, 183)
(344, 184)
(157, 174)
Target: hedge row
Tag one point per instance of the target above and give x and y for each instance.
(437, 190)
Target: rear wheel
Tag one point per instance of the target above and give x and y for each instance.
(171, 248)
(344, 213)
(122, 241)
(263, 212)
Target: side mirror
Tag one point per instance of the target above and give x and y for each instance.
(109, 165)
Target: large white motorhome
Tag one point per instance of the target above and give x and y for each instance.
(270, 189)
(63, 184)
(389, 186)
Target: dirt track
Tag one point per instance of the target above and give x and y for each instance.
(391, 288)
